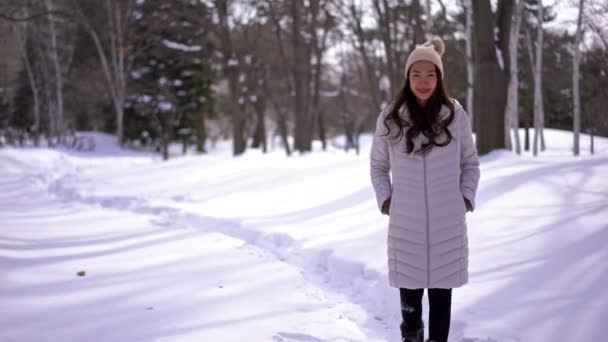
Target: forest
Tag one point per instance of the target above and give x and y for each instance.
(271, 74)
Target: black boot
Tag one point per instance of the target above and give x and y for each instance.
(412, 335)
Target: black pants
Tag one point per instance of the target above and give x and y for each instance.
(440, 307)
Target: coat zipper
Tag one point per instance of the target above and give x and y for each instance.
(428, 230)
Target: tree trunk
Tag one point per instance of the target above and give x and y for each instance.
(21, 40)
(300, 67)
(237, 117)
(58, 71)
(281, 121)
(469, 61)
(317, 111)
(117, 31)
(527, 136)
(428, 26)
(417, 24)
(282, 125)
(114, 70)
(504, 14)
(322, 135)
(490, 83)
(201, 132)
(575, 81)
(164, 140)
(512, 108)
(51, 131)
(591, 146)
(259, 136)
(382, 13)
(369, 68)
(538, 96)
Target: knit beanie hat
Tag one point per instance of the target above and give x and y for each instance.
(430, 51)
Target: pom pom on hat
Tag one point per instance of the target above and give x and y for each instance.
(430, 51)
(437, 44)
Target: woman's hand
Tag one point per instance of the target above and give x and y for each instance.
(386, 206)
(468, 204)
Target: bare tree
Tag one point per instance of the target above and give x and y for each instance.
(512, 107)
(54, 53)
(400, 27)
(319, 16)
(491, 72)
(297, 71)
(596, 19)
(576, 97)
(538, 94)
(113, 55)
(353, 14)
(21, 37)
(283, 68)
(231, 69)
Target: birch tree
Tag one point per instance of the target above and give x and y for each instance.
(54, 54)
(512, 107)
(112, 53)
(21, 37)
(576, 97)
(538, 94)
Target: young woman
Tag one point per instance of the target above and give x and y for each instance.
(425, 172)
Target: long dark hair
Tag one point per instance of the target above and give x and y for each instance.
(425, 120)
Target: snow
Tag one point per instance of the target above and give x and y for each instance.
(233, 62)
(165, 106)
(181, 47)
(384, 83)
(270, 248)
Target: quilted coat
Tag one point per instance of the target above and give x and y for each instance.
(427, 233)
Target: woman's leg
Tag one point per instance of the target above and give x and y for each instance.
(411, 311)
(440, 308)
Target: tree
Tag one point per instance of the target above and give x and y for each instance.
(512, 107)
(171, 80)
(491, 71)
(231, 70)
(21, 37)
(575, 80)
(110, 42)
(539, 112)
(54, 54)
(469, 60)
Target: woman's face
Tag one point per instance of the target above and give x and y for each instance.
(423, 80)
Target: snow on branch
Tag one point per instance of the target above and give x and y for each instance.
(181, 47)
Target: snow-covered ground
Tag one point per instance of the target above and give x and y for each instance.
(270, 248)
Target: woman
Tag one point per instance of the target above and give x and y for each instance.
(423, 140)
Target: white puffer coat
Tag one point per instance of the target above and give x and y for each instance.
(427, 235)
